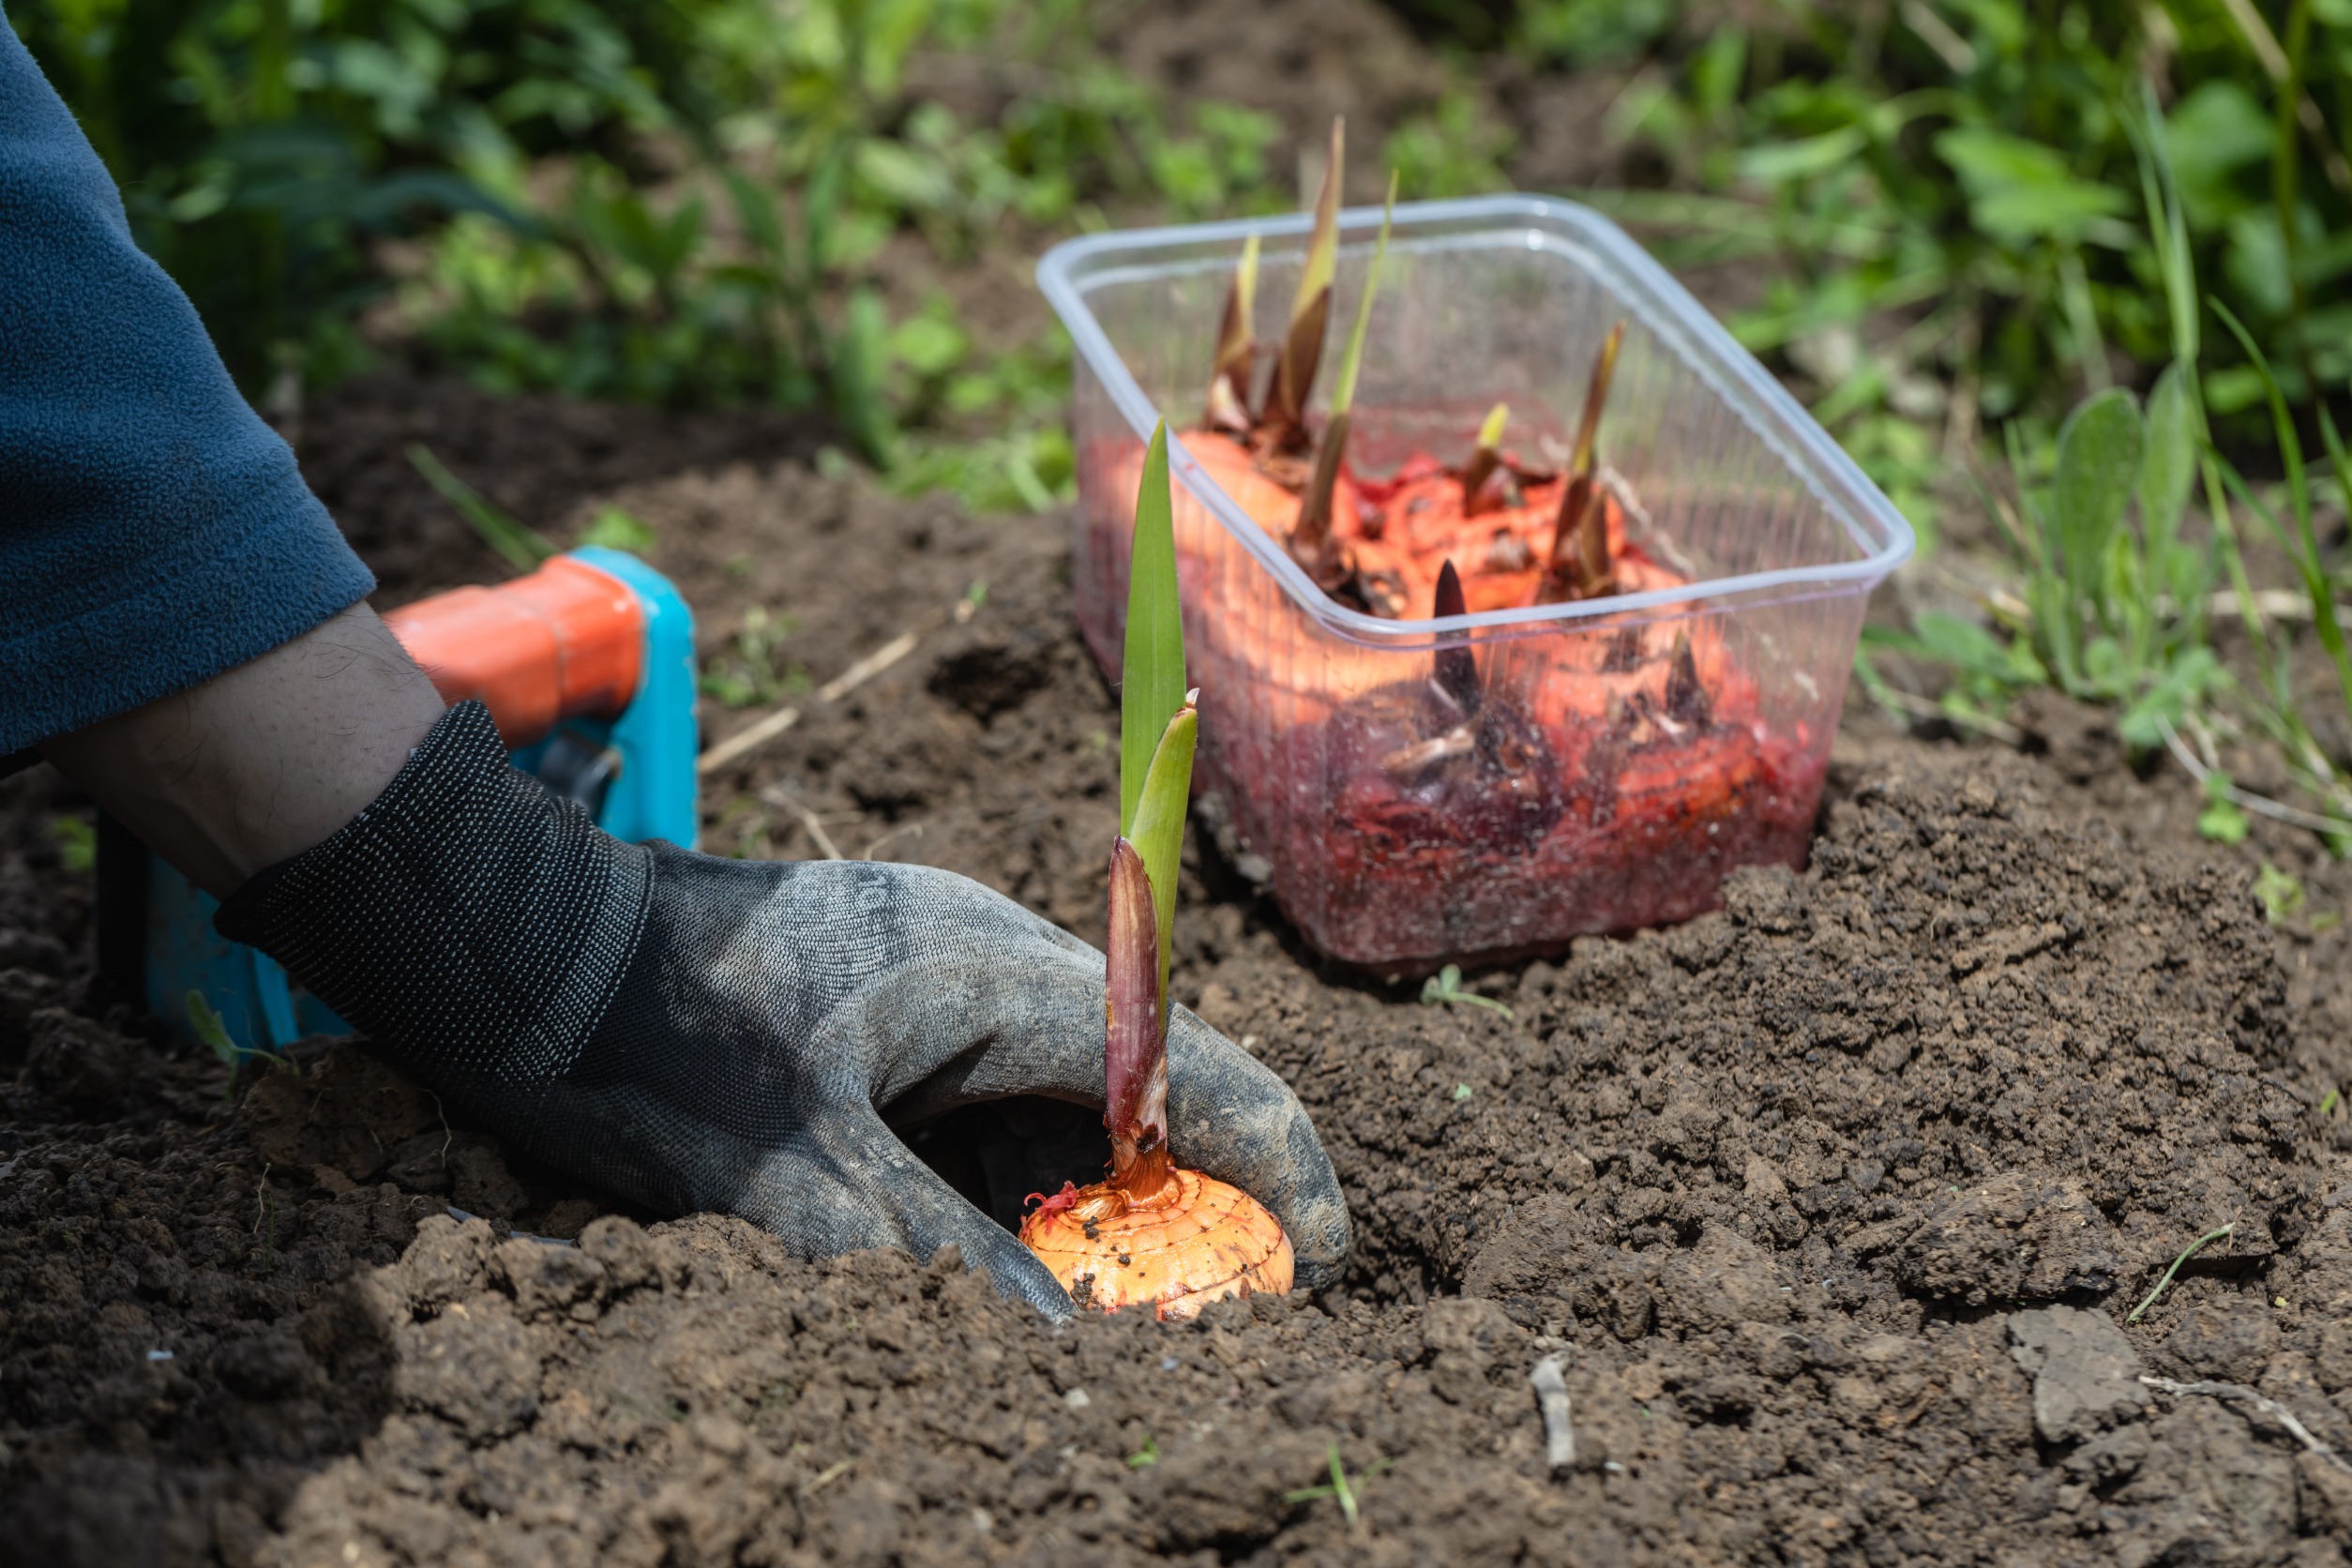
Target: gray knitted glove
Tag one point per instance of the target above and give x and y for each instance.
(704, 1034)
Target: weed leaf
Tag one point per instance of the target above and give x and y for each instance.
(2098, 463)
(2169, 465)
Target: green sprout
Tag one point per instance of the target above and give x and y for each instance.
(76, 841)
(1310, 540)
(2140, 1311)
(2222, 821)
(214, 1032)
(518, 545)
(751, 673)
(1338, 1487)
(1148, 1454)
(2281, 891)
(1444, 988)
(1310, 308)
(617, 529)
(1158, 729)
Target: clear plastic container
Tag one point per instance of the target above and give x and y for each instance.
(1619, 800)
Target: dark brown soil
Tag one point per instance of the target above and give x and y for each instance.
(1805, 1193)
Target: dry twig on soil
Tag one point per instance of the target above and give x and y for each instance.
(783, 800)
(742, 743)
(1551, 1398)
(2262, 1402)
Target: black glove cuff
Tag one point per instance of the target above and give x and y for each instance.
(469, 918)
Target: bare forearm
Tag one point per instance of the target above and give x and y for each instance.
(264, 761)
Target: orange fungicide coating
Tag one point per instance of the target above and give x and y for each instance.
(1273, 502)
(1195, 1241)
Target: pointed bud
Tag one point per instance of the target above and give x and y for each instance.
(1230, 378)
(1310, 308)
(1687, 700)
(1579, 566)
(1310, 540)
(1595, 397)
(1485, 460)
(1456, 667)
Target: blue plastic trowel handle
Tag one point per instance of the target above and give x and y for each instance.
(635, 772)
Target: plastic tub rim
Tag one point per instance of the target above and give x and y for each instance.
(1849, 495)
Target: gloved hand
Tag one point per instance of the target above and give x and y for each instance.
(704, 1034)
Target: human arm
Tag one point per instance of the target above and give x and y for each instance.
(154, 531)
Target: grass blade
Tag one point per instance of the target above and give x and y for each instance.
(2140, 1311)
(2304, 545)
(2167, 221)
(519, 547)
(1152, 672)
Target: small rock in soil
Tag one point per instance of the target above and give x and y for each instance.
(2085, 1375)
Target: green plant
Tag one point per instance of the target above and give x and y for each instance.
(76, 841)
(2112, 594)
(2281, 715)
(265, 147)
(1444, 989)
(515, 542)
(2221, 818)
(680, 202)
(2115, 612)
(2281, 894)
(2191, 1251)
(751, 673)
(1339, 1487)
(209, 1029)
(1152, 1234)
(1939, 195)
(617, 528)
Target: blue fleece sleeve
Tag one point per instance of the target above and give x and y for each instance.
(154, 531)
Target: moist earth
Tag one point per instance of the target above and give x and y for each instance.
(1829, 1207)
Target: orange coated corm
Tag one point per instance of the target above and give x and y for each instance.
(1152, 1234)
(1192, 1240)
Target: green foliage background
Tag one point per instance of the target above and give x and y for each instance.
(672, 200)
(1974, 171)
(683, 200)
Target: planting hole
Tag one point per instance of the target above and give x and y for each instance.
(998, 1152)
